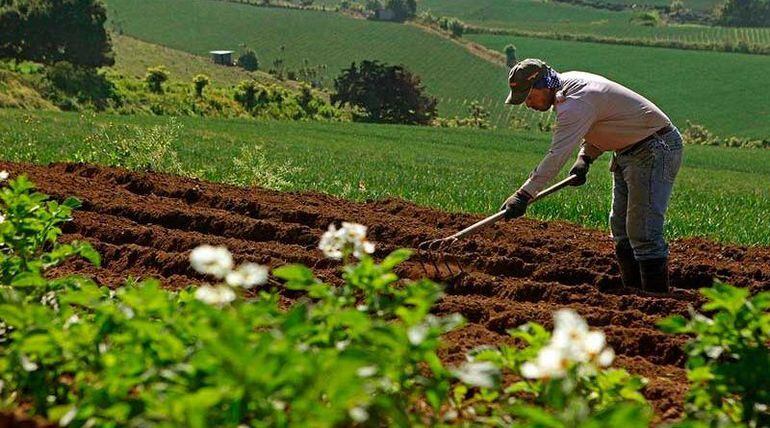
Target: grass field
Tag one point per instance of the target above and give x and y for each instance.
(720, 193)
(683, 83)
(535, 15)
(198, 26)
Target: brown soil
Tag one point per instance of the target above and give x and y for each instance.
(145, 224)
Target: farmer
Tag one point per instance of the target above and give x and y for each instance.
(601, 115)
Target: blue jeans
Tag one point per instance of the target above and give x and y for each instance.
(643, 179)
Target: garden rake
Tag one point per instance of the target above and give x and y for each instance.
(438, 251)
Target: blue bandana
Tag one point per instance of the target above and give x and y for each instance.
(551, 80)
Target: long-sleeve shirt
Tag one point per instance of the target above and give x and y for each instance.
(607, 115)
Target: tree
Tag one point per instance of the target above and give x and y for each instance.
(744, 13)
(403, 9)
(200, 81)
(510, 56)
(50, 31)
(387, 94)
(248, 60)
(373, 5)
(155, 77)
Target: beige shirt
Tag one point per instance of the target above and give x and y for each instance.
(607, 115)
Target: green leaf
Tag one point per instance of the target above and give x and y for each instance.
(395, 258)
(673, 324)
(72, 203)
(28, 279)
(294, 273)
(89, 253)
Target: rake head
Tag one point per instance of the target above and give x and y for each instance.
(436, 255)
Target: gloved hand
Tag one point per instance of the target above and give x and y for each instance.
(580, 169)
(516, 204)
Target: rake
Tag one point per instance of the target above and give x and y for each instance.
(438, 251)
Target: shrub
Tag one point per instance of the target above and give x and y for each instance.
(388, 94)
(728, 356)
(252, 168)
(248, 60)
(510, 56)
(86, 85)
(155, 78)
(200, 81)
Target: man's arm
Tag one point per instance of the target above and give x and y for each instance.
(574, 119)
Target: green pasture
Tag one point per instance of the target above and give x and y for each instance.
(449, 72)
(721, 193)
(556, 17)
(719, 90)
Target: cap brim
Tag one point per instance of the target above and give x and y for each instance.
(516, 97)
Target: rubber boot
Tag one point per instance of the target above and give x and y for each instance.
(629, 267)
(654, 275)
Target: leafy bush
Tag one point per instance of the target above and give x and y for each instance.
(87, 85)
(510, 56)
(252, 168)
(248, 60)
(478, 117)
(155, 78)
(744, 13)
(387, 94)
(728, 356)
(200, 81)
(698, 134)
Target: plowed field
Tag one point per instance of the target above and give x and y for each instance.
(146, 224)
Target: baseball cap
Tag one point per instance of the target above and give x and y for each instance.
(521, 77)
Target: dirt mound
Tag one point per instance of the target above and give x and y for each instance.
(146, 224)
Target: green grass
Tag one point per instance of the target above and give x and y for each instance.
(197, 26)
(720, 193)
(719, 90)
(535, 15)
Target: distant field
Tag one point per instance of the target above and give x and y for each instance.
(198, 26)
(688, 85)
(535, 15)
(721, 193)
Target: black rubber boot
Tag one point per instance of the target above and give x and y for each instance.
(629, 267)
(654, 275)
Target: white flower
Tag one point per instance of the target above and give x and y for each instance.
(358, 414)
(569, 334)
(68, 417)
(3, 331)
(606, 357)
(594, 343)
(28, 364)
(215, 261)
(351, 238)
(49, 299)
(366, 371)
(217, 296)
(714, 352)
(482, 373)
(2, 218)
(342, 345)
(74, 319)
(4, 176)
(247, 275)
(417, 334)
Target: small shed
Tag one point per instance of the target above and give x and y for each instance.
(385, 15)
(222, 57)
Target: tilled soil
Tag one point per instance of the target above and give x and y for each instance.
(145, 224)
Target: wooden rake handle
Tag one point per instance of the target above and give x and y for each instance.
(495, 217)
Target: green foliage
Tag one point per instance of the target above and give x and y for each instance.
(252, 168)
(403, 9)
(29, 229)
(744, 13)
(50, 31)
(387, 94)
(478, 117)
(649, 18)
(139, 148)
(74, 86)
(155, 78)
(200, 81)
(248, 60)
(698, 134)
(728, 356)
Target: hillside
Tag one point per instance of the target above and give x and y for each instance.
(448, 71)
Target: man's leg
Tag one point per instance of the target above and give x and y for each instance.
(629, 267)
(650, 174)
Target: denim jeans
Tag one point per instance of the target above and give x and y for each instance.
(643, 179)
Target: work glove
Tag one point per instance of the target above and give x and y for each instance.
(516, 205)
(580, 170)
